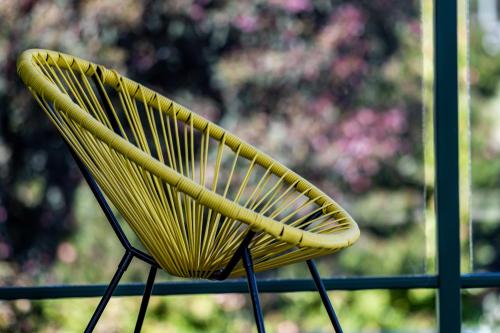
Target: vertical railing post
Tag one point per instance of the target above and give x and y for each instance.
(447, 165)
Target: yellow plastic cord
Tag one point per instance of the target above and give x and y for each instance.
(190, 190)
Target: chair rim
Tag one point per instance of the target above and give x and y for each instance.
(38, 83)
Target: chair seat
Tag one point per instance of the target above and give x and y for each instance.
(189, 189)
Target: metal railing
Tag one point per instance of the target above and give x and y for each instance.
(467, 281)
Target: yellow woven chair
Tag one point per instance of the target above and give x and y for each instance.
(204, 203)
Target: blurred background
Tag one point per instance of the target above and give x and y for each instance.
(339, 91)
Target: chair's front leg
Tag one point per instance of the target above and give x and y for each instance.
(324, 296)
(254, 292)
(122, 267)
(145, 299)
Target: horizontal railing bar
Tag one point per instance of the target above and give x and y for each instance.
(214, 287)
(478, 280)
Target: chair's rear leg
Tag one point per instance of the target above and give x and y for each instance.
(122, 267)
(254, 292)
(145, 299)
(324, 296)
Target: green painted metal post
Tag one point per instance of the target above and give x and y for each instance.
(447, 165)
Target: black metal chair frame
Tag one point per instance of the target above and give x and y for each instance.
(242, 253)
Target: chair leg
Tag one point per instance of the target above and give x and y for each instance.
(324, 296)
(122, 267)
(254, 292)
(145, 299)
